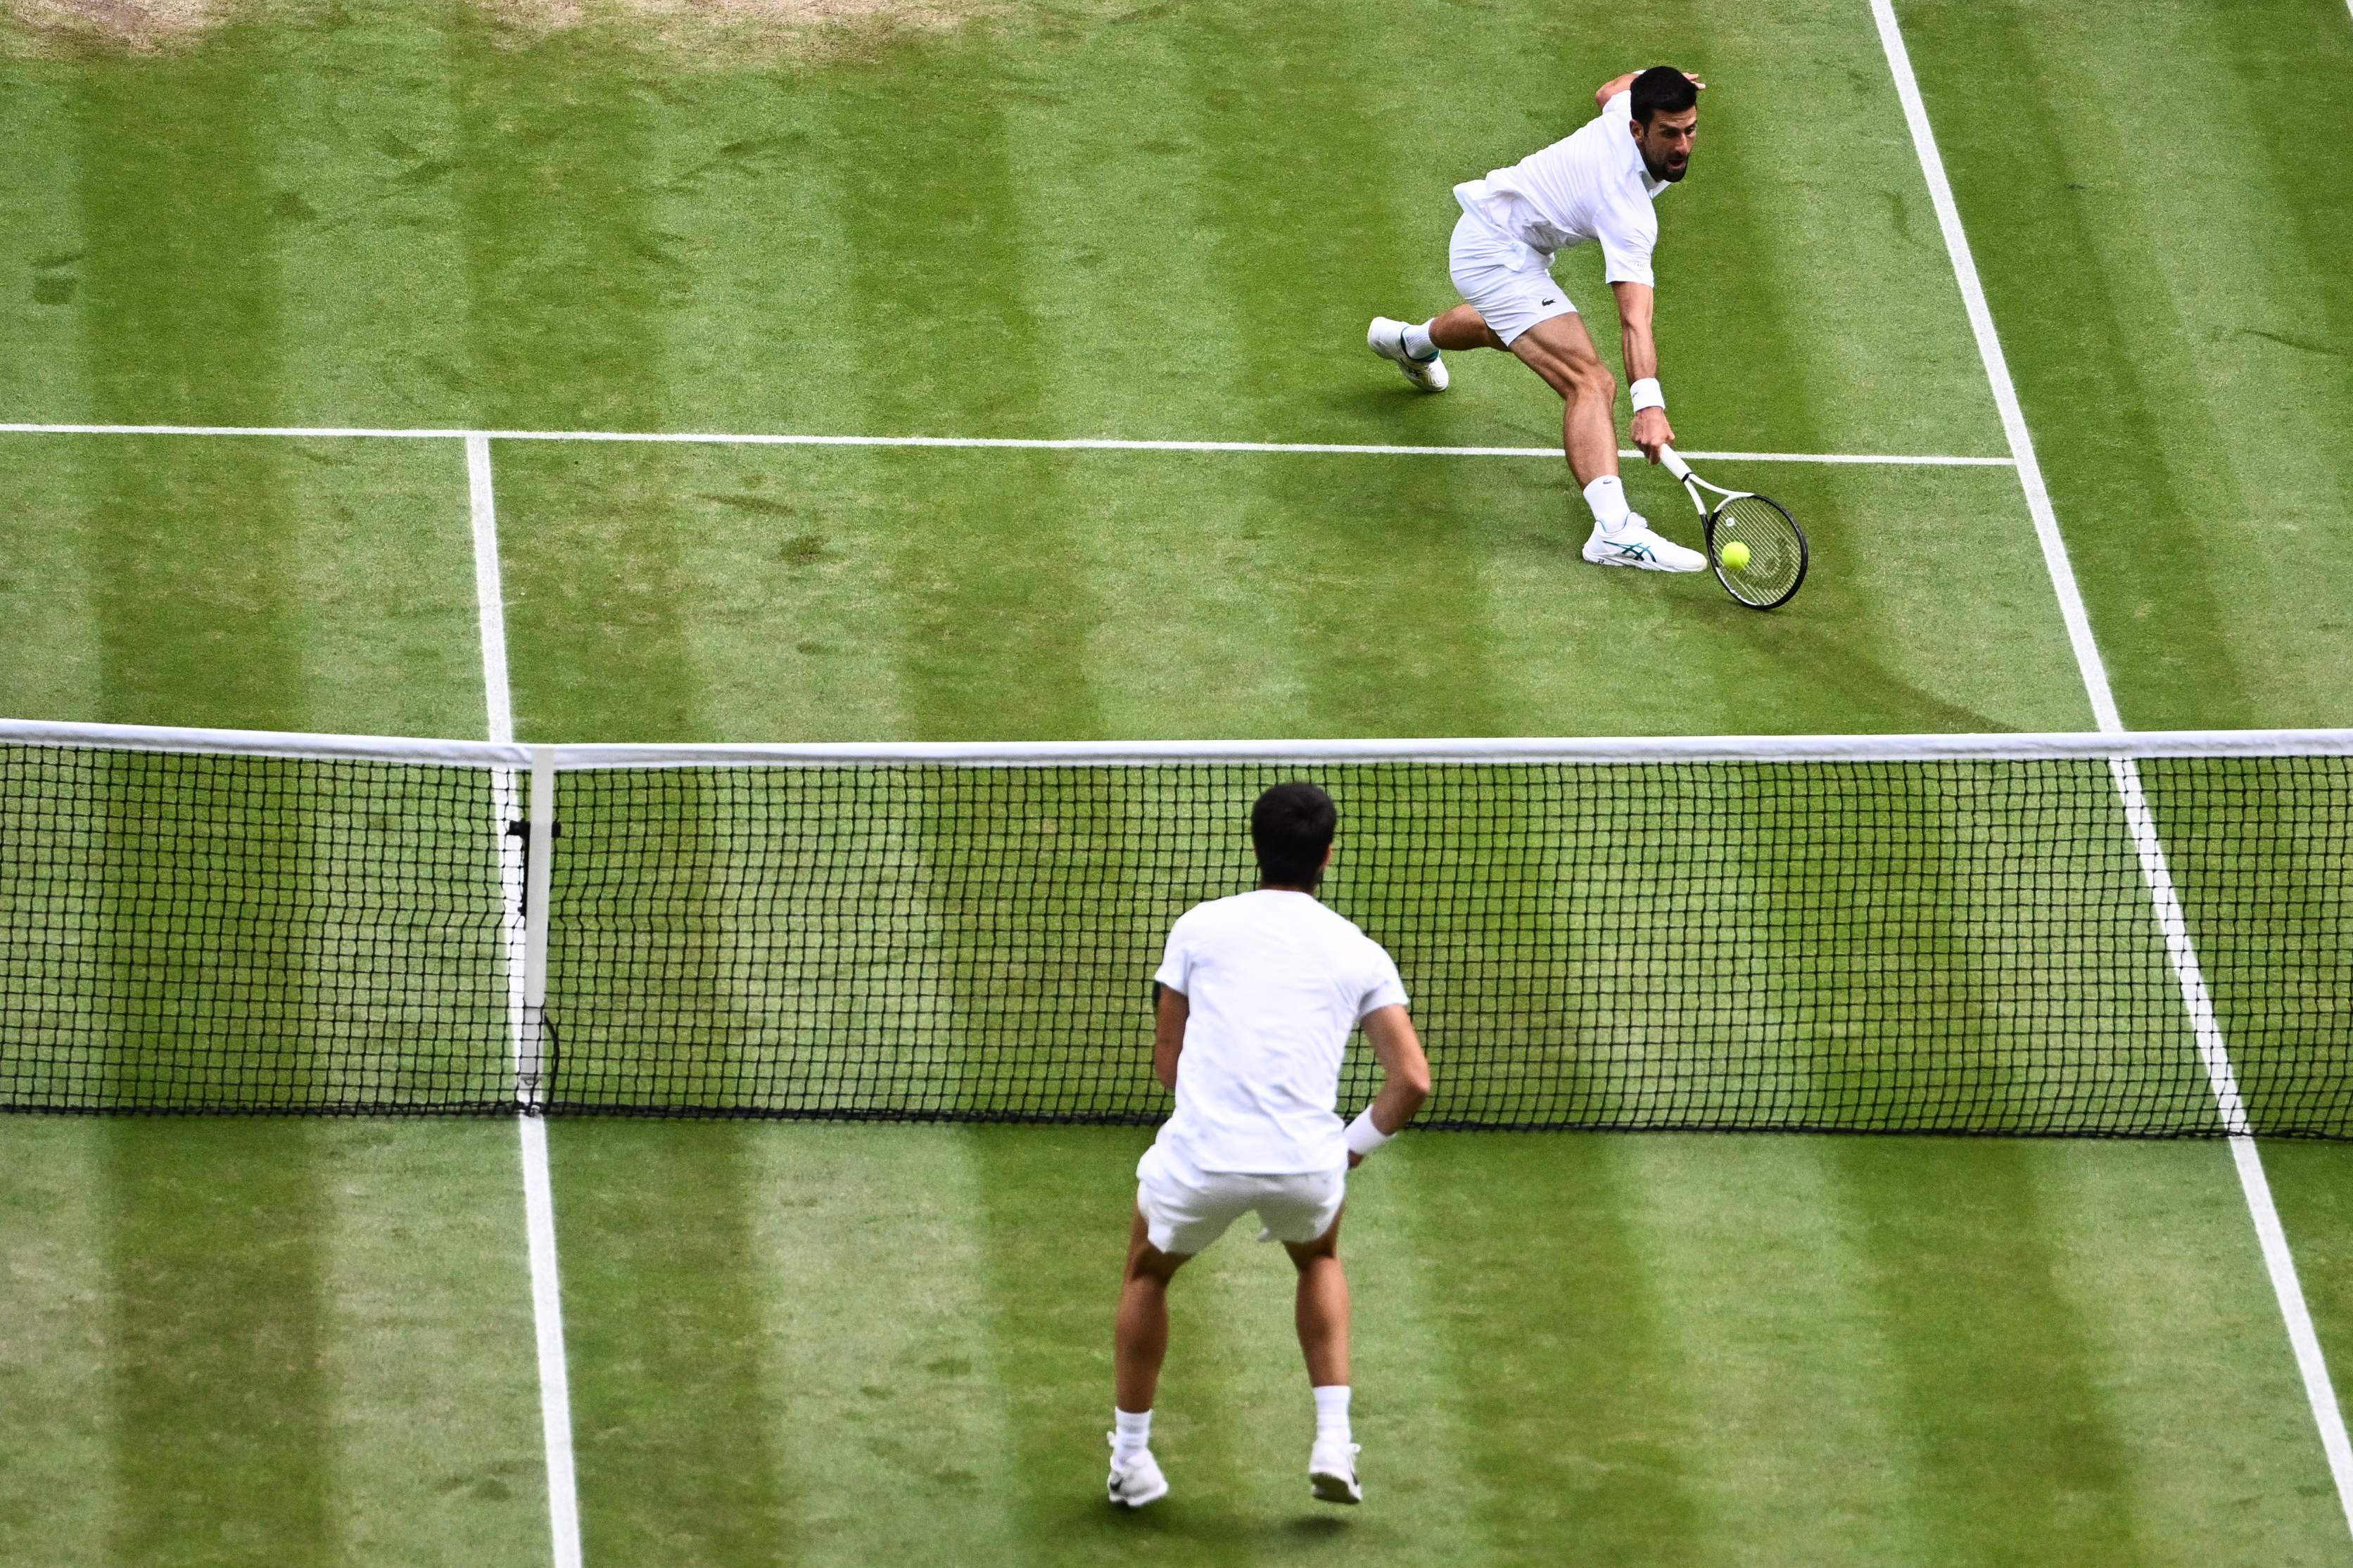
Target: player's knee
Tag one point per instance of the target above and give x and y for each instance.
(1591, 378)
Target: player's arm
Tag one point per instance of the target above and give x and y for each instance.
(1635, 302)
(1405, 1073)
(1169, 1011)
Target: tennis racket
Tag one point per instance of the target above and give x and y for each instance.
(1776, 544)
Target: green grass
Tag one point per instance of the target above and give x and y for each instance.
(253, 1343)
(264, 1342)
(1661, 1349)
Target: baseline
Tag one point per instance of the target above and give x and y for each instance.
(2279, 1262)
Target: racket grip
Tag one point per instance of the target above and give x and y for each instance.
(1673, 464)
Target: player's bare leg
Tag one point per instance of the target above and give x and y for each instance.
(1559, 349)
(1323, 1307)
(1139, 1347)
(1322, 1319)
(1139, 1340)
(1465, 328)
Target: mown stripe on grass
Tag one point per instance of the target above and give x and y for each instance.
(566, 272)
(49, 635)
(565, 280)
(1426, 1493)
(41, 244)
(370, 219)
(220, 1413)
(878, 1256)
(2013, 1447)
(1378, 606)
(1584, 1416)
(994, 610)
(436, 1458)
(677, 1419)
(197, 617)
(1762, 1289)
(56, 1481)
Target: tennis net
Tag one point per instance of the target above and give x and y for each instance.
(2127, 935)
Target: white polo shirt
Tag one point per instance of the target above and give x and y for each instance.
(1589, 184)
(1275, 982)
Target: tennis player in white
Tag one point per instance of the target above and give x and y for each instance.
(1256, 996)
(1597, 183)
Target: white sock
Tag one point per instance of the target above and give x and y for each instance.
(1332, 1413)
(1607, 497)
(1131, 1433)
(1417, 341)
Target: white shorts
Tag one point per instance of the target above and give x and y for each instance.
(1507, 283)
(1185, 1210)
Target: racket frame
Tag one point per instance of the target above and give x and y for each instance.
(1672, 460)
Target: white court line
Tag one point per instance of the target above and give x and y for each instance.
(1009, 442)
(489, 592)
(2172, 921)
(538, 1191)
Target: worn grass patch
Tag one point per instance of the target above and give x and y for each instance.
(686, 32)
(139, 27)
(741, 32)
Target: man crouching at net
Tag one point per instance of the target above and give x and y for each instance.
(1256, 999)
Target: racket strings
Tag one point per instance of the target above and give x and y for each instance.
(1776, 553)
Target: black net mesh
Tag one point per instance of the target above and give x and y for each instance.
(188, 933)
(1922, 945)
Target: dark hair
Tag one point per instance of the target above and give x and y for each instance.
(1662, 89)
(1290, 826)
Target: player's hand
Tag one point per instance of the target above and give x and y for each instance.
(1355, 1159)
(1652, 432)
(1695, 81)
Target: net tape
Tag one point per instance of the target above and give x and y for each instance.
(1870, 934)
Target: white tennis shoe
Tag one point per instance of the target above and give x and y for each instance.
(1331, 1472)
(1638, 544)
(1137, 1482)
(1387, 339)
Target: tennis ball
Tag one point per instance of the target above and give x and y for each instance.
(1734, 554)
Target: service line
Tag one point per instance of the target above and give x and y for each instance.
(1010, 443)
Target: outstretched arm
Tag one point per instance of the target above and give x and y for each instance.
(1405, 1071)
(1635, 304)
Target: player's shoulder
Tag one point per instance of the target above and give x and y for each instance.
(1347, 933)
(1214, 914)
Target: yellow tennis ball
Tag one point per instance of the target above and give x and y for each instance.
(1734, 554)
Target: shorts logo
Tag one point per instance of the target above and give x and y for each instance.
(1548, 301)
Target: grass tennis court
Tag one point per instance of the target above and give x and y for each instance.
(287, 1340)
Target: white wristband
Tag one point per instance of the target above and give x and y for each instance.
(1363, 1136)
(1647, 393)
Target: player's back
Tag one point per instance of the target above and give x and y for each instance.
(1589, 184)
(1274, 984)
